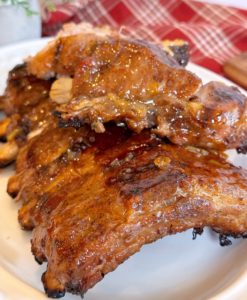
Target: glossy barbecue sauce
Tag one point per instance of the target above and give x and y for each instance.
(141, 85)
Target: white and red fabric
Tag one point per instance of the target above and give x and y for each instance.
(215, 32)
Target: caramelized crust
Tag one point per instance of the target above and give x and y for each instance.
(108, 194)
(139, 84)
(23, 91)
(95, 193)
(75, 42)
(26, 101)
(26, 96)
(62, 55)
(21, 128)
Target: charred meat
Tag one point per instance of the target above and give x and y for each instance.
(138, 83)
(23, 91)
(113, 192)
(75, 42)
(29, 109)
(103, 203)
(117, 146)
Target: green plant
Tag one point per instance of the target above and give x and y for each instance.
(49, 4)
(22, 3)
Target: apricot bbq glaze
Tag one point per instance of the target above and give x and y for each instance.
(109, 77)
(28, 108)
(26, 97)
(101, 197)
(91, 120)
(138, 83)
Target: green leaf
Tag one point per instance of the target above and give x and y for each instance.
(26, 6)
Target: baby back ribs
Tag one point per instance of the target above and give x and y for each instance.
(138, 83)
(95, 197)
(75, 42)
(23, 91)
(29, 109)
(42, 168)
(101, 200)
(26, 100)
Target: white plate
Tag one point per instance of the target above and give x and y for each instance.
(174, 268)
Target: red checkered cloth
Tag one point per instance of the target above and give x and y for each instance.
(215, 32)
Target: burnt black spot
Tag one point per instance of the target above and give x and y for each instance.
(38, 260)
(196, 231)
(55, 293)
(242, 150)
(224, 240)
(52, 293)
(181, 53)
(74, 289)
(165, 140)
(224, 237)
(4, 164)
(193, 98)
(17, 74)
(19, 67)
(12, 194)
(3, 139)
(75, 122)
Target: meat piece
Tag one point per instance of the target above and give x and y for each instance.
(222, 117)
(156, 191)
(95, 198)
(100, 201)
(30, 110)
(23, 91)
(179, 49)
(62, 54)
(17, 128)
(139, 84)
(48, 162)
(25, 99)
(75, 42)
(35, 158)
(8, 153)
(141, 73)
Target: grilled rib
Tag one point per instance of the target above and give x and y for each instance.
(23, 91)
(45, 154)
(104, 197)
(29, 109)
(94, 199)
(75, 42)
(26, 100)
(136, 82)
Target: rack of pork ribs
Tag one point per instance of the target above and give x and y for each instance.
(117, 145)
